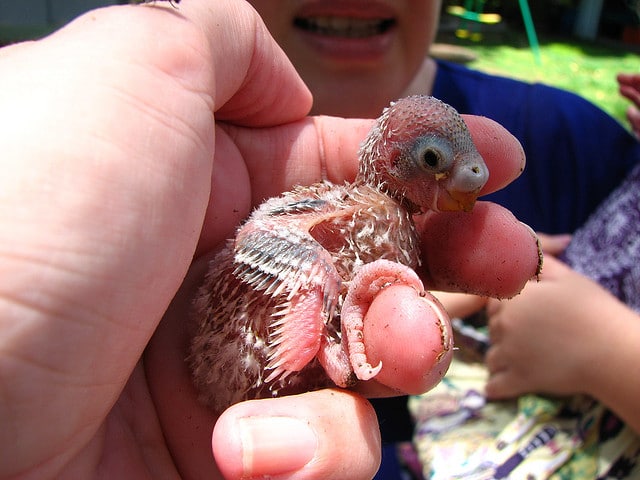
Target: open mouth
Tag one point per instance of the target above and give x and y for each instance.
(346, 27)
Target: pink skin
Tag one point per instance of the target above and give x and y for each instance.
(369, 71)
(369, 281)
(385, 285)
(393, 156)
(464, 304)
(301, 331)
(412, 316)
(449, 235)
(630, 88)
(565, 335)
(373, 284)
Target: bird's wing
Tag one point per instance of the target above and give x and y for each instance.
(274, 253)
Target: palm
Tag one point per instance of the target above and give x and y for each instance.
(131, 426)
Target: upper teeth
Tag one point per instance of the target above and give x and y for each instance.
(342, 26)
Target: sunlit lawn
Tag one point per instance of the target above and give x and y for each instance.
(585, 68)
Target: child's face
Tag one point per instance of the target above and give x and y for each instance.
(355, 55)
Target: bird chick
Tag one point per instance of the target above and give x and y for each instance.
(282, 306)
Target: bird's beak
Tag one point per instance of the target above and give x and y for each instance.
(461, 189)
(455, 200)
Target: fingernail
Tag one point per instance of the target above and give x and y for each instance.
(275, 445)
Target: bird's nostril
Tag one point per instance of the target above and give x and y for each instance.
(472, 178)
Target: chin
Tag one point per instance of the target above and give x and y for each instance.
(355, 96)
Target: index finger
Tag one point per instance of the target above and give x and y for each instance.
(326, 148)
(500, 150)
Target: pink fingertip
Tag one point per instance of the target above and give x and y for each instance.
(410, 333)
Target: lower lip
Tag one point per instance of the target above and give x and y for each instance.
(366, 49)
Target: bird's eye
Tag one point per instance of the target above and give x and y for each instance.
(431, 158)
(431, 154)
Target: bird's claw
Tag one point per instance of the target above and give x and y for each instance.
(370, 280)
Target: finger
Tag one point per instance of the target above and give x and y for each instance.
(461, 305)
(553, 269)
(629, 79)
(633, 115)
(631, 91)
(495, 322)
(255, 84)
(410, 333)
(554, 244)
(494, 306)
(502, 385)
(492, 358)
(503, 382)
(487, 251)
(325, 148)
(303, 436)
(500, 150)
(300, 153)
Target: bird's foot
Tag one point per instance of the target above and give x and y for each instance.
(369, 281)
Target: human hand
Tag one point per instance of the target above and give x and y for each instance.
(629, 84)
(547, 339)
(462, 305)
(402, 325)
(553, 244)
(115, 176)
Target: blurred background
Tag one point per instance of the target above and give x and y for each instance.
(579, 45)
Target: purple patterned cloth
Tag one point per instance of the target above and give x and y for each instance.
(607, 247)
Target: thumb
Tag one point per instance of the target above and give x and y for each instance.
(300, 436)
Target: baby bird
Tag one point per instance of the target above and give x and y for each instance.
(282, 306)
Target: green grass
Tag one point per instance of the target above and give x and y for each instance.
(587, 69)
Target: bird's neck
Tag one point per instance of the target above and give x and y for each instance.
(375, 180)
